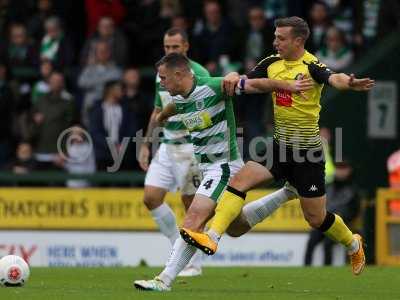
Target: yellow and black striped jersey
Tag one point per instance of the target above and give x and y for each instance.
(295, 116)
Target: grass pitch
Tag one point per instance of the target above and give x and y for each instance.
(216, 283)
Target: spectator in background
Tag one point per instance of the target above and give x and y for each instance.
(97, 72)
(36, 22)
(335, 53)
(343, 15)
(55, 46)
(145, 25)
(376, 18)
(11, 12)
(343, 199)
(4, 15)
(180, 22)
(192, 10)
(169, 8)
(95, 9)
(110, 122)
(115, 39)
(212, 37)
(6, 112)
(319, 24)
(52, 114)
(139, 106)
(258, 38)
(24, 162)
(137, 100)
(80, 157)
(21, 55)
(238, 11)
(255, 42)
(41, 87)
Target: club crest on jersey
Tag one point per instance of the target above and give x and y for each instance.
(299, 76)
(199, 104)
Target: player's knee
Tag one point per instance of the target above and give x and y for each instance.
(236, 182)
(244, 179)
(314, 221)
(152, 202)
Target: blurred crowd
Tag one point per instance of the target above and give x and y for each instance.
(90, 63)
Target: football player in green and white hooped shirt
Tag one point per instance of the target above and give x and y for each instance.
(208, 115)
(174, 165)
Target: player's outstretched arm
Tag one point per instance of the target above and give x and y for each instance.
(168, 111)
(343, 81)
(235, 83)
(266, 85)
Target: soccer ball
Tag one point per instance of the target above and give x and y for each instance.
(14, 271)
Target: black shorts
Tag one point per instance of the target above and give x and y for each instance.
(302, 168)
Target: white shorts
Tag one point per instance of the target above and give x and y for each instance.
(174, 167)
(216, 177)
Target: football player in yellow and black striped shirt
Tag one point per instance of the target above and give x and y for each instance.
(296, 136)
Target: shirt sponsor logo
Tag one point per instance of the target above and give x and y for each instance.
(198, 122)
(284, 98)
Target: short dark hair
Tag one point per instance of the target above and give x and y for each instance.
(299, 26)
(175, 60)
(56, 71)
(109, 85)
(174, 31)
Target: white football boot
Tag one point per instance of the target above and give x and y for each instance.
(155, 284)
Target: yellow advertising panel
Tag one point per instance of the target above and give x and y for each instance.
(109, 209)
(387, 227)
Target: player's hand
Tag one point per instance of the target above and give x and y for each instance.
(144, 156)
(160, 119)
(302, 85)
(361, 84)
(229, 83)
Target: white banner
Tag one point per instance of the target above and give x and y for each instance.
(95, 249)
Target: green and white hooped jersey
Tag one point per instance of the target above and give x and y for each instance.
(209, 117)
(174, 131)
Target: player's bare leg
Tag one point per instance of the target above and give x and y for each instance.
(229, 207)
(187, 201)
(332, 226)
(165, 218)
(199, 213)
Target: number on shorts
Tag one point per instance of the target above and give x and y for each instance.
(208, 184)
(196, 181)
